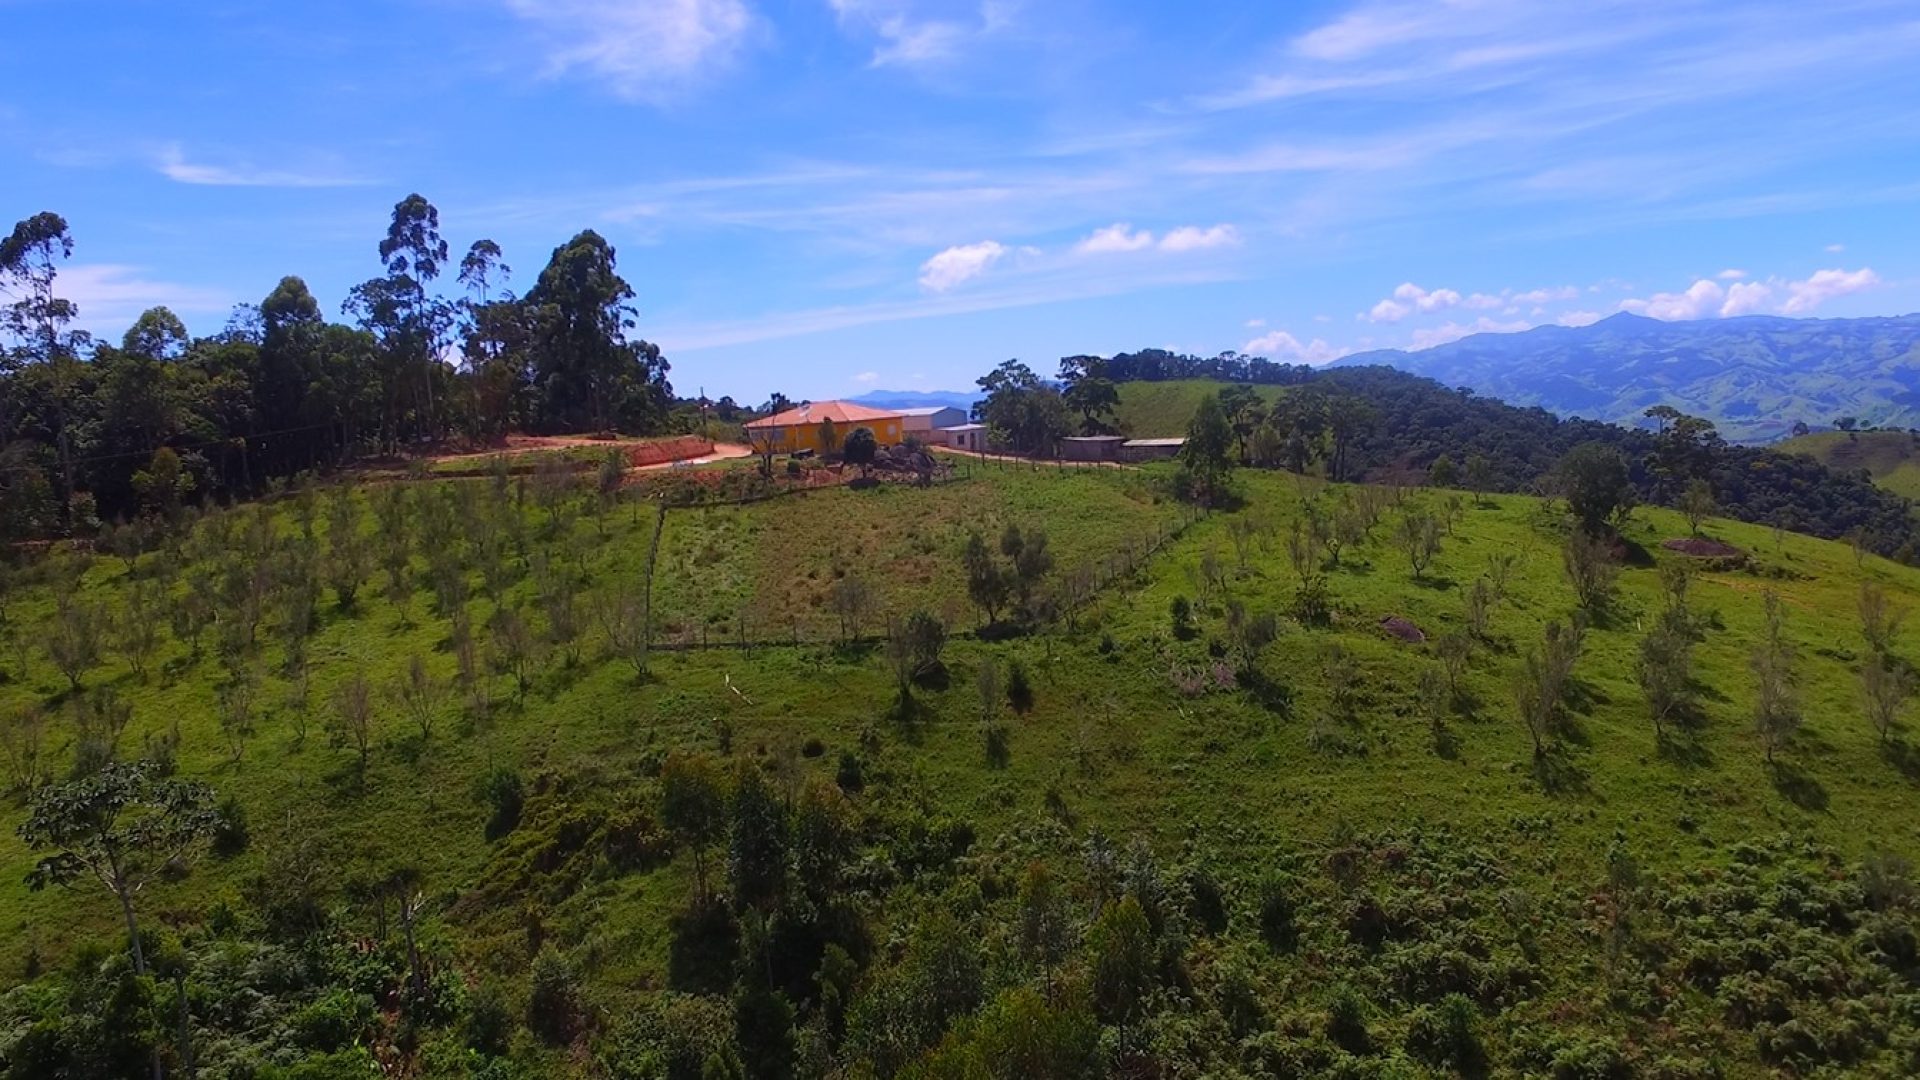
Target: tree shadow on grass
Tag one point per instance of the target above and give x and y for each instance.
(1682, 745)
(1799, 787)
(1902, 755)
(1446, 744)
(1268, 693)
(1558, 774)
(1437, 584)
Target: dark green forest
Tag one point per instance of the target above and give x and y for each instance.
(96, 431)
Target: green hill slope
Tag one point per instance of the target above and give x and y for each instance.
(1891, 457)
(1287, 838)
(1151, 410)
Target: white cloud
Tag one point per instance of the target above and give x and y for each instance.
(1117, 237)
(1578, 318)
(1746, 298)
(1280, 345)
(1483, 301)
(958, 264)
(1824, 285)
(1409, 298)
(1706, 299)
(1195, 238)
(867, 378)
(1700, 300)
(1256, 324)
(1732, 275)
(1835, 249)
(645, 51)
(172, 163)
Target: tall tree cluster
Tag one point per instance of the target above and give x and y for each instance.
(93, 431)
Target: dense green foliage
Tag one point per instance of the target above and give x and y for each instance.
(93, 431)
(1236, 843)
(1385, 425)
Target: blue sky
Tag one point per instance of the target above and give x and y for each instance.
(826, 196)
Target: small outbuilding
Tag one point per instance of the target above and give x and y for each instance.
(1091, 447)
(1150, 449)
(969, 437)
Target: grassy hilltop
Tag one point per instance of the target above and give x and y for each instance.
(1175, 853)
(1891, 457)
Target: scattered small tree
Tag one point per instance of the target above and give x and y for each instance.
(853, 602)
(1443, 473)
(1880, 618)
(622, 612)
(23, 733)
(237, 714)
(1776, 711)
(123, 826)
(1479, 477)
(987, 584)
(1206, 457)
(421, 694)
(1887, 686)
(1697, 504)
(1419, 536)
(1590, 569)
(136, 633)
(1665, 673)
(73, 638)
(352, 721)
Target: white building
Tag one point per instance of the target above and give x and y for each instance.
(922, 423)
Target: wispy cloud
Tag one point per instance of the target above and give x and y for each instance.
(172, 163)
(111, 295)
(650, 51)
(914, 33)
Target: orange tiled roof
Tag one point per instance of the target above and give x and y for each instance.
(840, 412)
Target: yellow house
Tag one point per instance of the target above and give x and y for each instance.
(822, 427)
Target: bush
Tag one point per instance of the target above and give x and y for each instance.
(489, 1023)
(1347, 1020)
(851, 775)
(1019, 688)
(553, 1008)
(1181, 612)
(502, 790)
(335, 1022)
(1444, 1036)
(230, 835)
(1277, 906)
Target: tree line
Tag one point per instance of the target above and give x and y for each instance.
(93, 431)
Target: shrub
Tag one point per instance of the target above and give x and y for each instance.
(1347, 1020)
(553, 1008)
(230, 835)
(1019, 688)
(851, 775)
(334, 1022)
(501, 790)
(489, 1023)
(1444, 1036)
(1277, 911)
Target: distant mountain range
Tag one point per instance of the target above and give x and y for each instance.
(1754, 376)
(917, 399)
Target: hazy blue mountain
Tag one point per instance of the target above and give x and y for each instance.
(1754, 376)
(917, 399)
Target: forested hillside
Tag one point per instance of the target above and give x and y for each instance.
(1756, 376)
(1381, 424)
